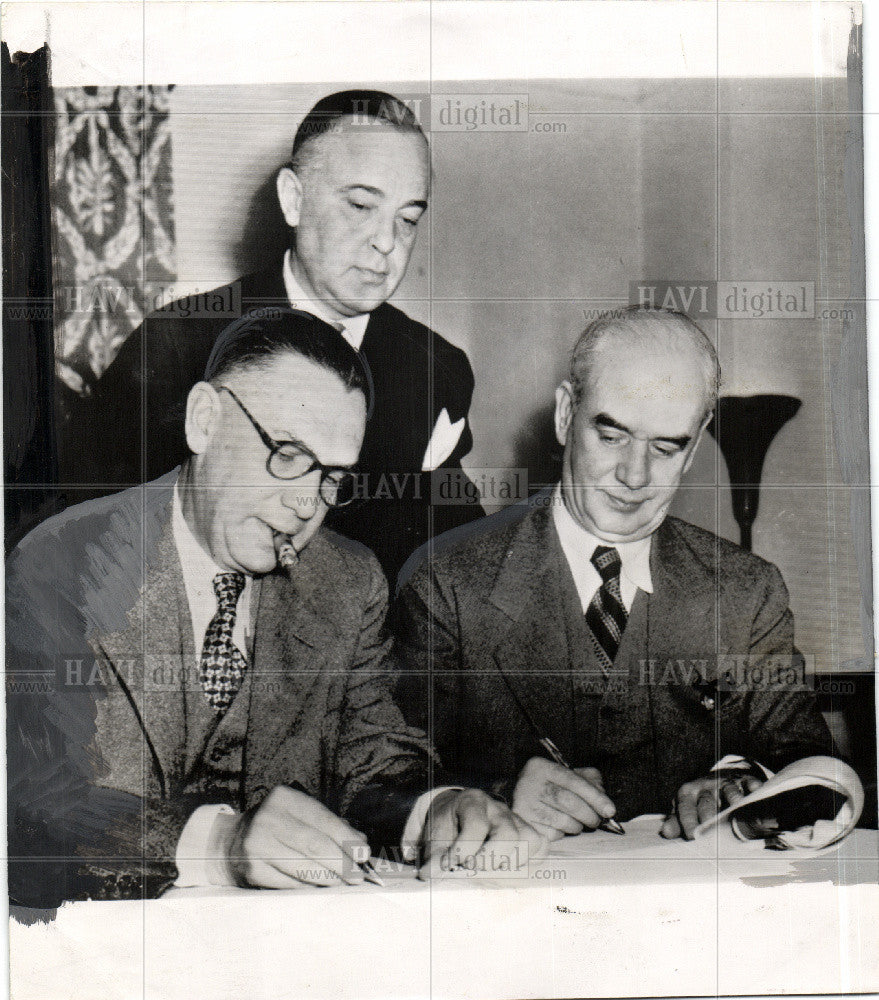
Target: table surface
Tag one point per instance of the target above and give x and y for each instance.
(599, 916)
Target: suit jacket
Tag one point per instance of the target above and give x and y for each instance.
(494, 622)
(106, 754)
(415, 374)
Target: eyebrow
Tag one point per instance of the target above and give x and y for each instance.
(303, 447)
(285, 438)
(414, 203)
(603, 420)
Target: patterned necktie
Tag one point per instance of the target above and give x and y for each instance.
(606, 615)
(222, 662)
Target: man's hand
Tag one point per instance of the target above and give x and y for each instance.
(697, 801)
(292, 839)
(559, 802)
(460, 824)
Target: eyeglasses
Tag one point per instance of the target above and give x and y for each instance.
(288, 460)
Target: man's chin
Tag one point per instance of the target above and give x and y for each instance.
(256, 560)
(363, 298)
(257, 567)
(365, 304)
(627, 528)
(615, 537)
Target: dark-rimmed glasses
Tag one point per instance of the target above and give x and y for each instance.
(289, 460)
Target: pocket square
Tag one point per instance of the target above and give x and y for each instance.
(442, 442)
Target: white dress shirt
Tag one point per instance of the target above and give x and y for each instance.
(199, 571)
(353, 327)
(578, 544)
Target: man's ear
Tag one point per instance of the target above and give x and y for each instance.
(202, 416)
(289, 195)
(564, 411)
(696, 441)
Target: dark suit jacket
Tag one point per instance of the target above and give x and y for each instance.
(496, 618)
(131, 428)
(105, 760)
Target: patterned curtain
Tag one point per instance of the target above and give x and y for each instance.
(113, 224)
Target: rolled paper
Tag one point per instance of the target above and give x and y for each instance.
(823, 772)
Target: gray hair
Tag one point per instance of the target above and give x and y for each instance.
(648, 326)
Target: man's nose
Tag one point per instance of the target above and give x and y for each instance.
(633, 469)
(303, 495)
(384, 234)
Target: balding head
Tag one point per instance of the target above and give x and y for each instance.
(656, 332)
(640, 395)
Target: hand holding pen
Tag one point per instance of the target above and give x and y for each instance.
(555, 798)
(590, 774)
(562, 801)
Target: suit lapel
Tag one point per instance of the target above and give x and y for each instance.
(531, 645)
(683, 607)
(401, 422)
(168, 632)
(293, 640)
(264, 287)
(372, 335)
(669, 626)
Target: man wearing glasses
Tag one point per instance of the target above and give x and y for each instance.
(182, 708)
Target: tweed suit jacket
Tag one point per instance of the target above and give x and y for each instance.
(105, 760)
(415, 374)
(493, 623)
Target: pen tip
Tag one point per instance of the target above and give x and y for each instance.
(370, 874)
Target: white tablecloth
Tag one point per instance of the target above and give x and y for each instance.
(601, 917)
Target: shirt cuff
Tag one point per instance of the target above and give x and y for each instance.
(735, 762)
(411, 839)
(201, 857)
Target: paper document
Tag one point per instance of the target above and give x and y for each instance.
(794, 790)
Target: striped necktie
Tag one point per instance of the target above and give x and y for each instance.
(222, 662)
(606, 615)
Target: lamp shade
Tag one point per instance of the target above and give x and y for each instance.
(744, 427)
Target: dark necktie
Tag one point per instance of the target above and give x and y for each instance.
(222, 662)
(606, 615)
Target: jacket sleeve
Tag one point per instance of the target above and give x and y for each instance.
(381, 763)
(71, 836)
(436, 684)
(781, 715)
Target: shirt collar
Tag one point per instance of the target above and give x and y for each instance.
(198, 570)
(354, 327)
(196, 564)
(578, 544)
